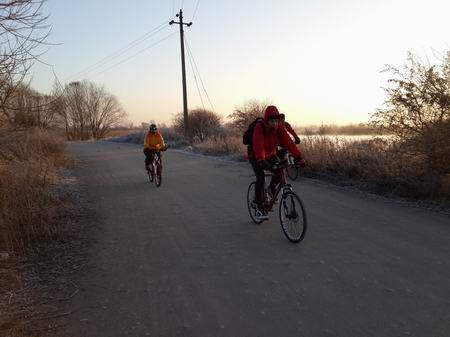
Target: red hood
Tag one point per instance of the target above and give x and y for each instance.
(271, 112)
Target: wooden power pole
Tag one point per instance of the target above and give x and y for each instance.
(183, 69)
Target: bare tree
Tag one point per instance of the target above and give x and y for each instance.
(89, 111)
(104, 111)
(243, 115)
(74, 112)
(202, 124)
(23, 30)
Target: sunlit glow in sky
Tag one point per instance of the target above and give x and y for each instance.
(319, 61)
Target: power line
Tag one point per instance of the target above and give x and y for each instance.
(135, 54)
(199, 75)
(195, 11)
(119, 52)
(195, 78)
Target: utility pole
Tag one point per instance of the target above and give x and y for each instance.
(183, 69)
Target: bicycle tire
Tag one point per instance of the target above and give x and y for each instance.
(251, 206)
(158, 175)
(293, 198)
(150, 175)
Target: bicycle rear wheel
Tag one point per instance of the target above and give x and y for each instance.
(293, 217)
(251, 203)
(292, 172)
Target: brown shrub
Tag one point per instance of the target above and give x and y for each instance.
(417, 113)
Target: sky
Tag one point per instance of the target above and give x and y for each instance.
(319, 61)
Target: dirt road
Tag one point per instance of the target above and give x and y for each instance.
(185, 260)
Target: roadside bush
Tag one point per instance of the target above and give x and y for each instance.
(203, 124)
(28, 164)
(417, 113)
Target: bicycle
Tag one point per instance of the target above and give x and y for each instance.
(155, 169)
(292, 213)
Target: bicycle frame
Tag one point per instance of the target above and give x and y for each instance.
(157, 163)
(283, 185)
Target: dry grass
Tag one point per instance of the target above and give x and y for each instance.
(28, 164)
(223, 145)
(376, 163)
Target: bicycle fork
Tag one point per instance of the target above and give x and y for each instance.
(292, 212)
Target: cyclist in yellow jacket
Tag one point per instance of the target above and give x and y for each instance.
(153, 144)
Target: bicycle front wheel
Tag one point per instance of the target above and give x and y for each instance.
(158, 175)
(151, 176)
(251, 203)
(293, 217)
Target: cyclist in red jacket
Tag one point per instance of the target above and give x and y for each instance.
(267, 136)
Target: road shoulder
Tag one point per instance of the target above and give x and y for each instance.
(38, 287)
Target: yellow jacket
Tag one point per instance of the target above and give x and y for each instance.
(153, 141)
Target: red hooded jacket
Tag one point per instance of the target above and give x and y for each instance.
(266, 139)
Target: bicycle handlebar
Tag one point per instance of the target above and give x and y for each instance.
(164, 148)
(281, 165)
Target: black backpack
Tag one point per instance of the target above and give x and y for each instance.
(247, 138)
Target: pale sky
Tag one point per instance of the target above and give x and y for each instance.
(317, 60)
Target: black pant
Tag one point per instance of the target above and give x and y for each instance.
(150, 156)
(261, 179)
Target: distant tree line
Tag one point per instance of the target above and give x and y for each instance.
(84, 110)
(348, 129)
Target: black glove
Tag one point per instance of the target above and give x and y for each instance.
(300, 161)
(265, 165)
(297, 140)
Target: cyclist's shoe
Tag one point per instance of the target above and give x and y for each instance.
(261, 215)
